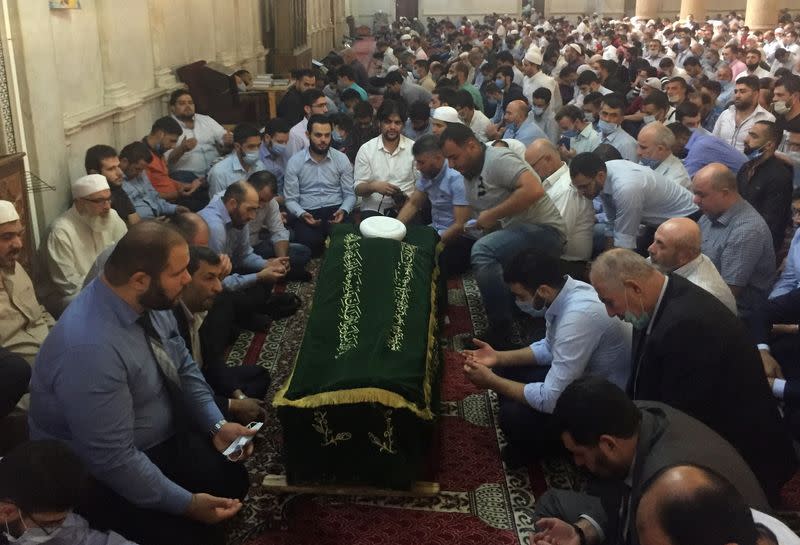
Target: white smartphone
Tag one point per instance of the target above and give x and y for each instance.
(240, 442)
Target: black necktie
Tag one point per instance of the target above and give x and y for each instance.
(166, 368)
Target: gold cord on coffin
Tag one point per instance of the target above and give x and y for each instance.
(378, 395)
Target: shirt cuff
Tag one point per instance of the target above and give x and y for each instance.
(778, 387)
(601, 534)
(763, 346)
(541, 353)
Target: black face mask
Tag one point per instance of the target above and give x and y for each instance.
(682, 154)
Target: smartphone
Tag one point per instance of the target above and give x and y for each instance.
(240, 442)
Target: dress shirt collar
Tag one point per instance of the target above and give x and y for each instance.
(220, 209)
(689, 267)
(586, 132)
(726, 217)
(307, 156)
(401, 145)
(554, 177)
(442, 173)
(658, 305)
(557, 306)
(693, 138)
(236, 164)
(194, 319)
(120, 308)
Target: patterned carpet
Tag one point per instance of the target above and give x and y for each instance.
(481, 500)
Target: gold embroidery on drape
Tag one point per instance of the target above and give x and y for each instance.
(388, 436)
(402, 292)
(350, 310)
(328, 437)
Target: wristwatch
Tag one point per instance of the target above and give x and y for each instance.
(217, 427)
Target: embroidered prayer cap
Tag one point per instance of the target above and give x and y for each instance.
(655, 83)
(7, 212)
(576, 47)
(448, 114)
(534, 55)
(405, 37)
(86, 185)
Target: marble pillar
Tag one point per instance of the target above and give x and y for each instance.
(761, 14)
(648, 9)
(693, 7)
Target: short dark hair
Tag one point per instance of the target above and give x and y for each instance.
(505, 71)
(422, 63)
(201, 253)
(419, 111)
(571, 111)
(607, 152)
(342, 121)
(426, 144)
(446, 95)
(277, 125)
(243, 131)
(349, 94)
(363, 109)
(167, 125)
(390, 107)
(665, 62)
(680, 130)
(594, 97)
(791, 83)
(533, 269)
(658, 99)
(176, 94)
(463, 99)
(591, 407)
(458, 134)
(42, 476)
(712, 85)
(588, 164)
(346, 71)
(96, 155)
(263, 178)
(235, 191)
(301, 73)
(686, 109)
(310, 96)
(319, 119)
(680, 81)
(774, 133)
(725, 516)
(135, 152)
(542, 93)
(749, 81)
(614, 101)
(144, 248)
(394, 77)
(504, 56)
(587, 77)
(691, 61)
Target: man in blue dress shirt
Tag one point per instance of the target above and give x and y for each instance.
(239, 163)
(520, 125)
(133, 160)
(273, 149)
(115, 381)
(581, 340)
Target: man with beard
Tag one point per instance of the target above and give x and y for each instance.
(203, 140)
(384, 168)
(75, 239)
(244, 160)
(102, 159)
(115, 381)
(734, 123)
(676, 249)
(318, 186)
(624, 444)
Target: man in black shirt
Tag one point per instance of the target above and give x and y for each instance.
(102, 159)
(290, 107)
(786, 103)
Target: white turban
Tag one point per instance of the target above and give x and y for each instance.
(448, 114)
(534, 56)
(91, 183)
(7, 212)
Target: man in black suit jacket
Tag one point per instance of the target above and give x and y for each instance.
(692, 353)
(625, 444)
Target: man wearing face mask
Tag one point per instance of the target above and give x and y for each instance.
(543, 114)
(654, 146)
(725, 77)
(41, 482)
(241, 162)
(520, 124)
(766, 181)
(786, 103)
(692, 353)
(272, 151)
(581, 340)
(611, 116)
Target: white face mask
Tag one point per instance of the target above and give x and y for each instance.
(72, 530)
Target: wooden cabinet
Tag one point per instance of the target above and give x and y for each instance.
(13, 188)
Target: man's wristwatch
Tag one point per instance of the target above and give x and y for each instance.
(581, 534)
(217, 427)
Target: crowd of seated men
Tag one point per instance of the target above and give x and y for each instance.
(632, 183)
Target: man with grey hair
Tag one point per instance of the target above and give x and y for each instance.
(654, 147)
(690, 352)
(676, 248)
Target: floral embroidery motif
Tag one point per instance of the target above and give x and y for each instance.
(388, 436)
(350, 310)
(328, 437)
(402, 293)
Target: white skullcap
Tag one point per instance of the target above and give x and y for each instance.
(463, 55)
(595, 58)
(583, 68)
(779, 29)
(91, 183)
(448, 114)
(655, 83)
(405, 37)
(513, 32)
(7, 212)
(534, 55)
(576, 47)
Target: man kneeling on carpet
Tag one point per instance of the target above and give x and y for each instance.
(581, 340)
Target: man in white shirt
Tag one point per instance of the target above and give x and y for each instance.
(472, 118)
(577, 131)
(577, 212)
(542, 113)
(734, 123)
(612, 111)
(676, 249)
(535, 78)
(314, 102)
(384, 168)
(205, 139)
(75, 239)
(654, 146)
(753, 62)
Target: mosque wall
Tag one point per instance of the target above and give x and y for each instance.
(102, 74)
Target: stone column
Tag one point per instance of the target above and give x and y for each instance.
(693, 7)
(164, 76)
(648, 9)
(115, 49)
(761, 14)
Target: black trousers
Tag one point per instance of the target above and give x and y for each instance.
(314, 237)
(188, 459)
(15, 374)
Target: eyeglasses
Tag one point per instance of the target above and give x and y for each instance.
(99, 200)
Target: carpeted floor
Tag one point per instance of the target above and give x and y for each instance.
(481, 500)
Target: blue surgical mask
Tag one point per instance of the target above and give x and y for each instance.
(337, 136)
(607, 128)
(648, 162)
(525, 306)
(648, 119)
(572, 133)
(501, 83)
(538, 110)
(638, 322)
(278, 149)
(250, 158)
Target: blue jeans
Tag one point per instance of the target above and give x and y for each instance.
(299, 255)
(493, 251)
